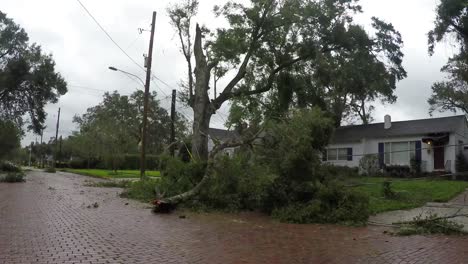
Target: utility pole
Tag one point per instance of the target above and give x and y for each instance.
(30, 153)
(41, 151)
(145, 105)
(60, 150)
(56, 138)
(173, 122)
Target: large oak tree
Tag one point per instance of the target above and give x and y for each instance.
(451, 22)
(28, 79)
(265, 38)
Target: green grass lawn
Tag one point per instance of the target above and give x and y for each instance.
(108, 174)
(414, 193)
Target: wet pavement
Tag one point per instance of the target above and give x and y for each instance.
(50, 219)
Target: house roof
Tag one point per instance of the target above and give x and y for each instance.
(222, 134)
(401, 128)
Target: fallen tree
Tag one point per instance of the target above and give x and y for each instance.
(167, 204)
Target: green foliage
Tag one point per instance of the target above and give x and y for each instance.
(178, 176)
(12, 177)
(331, 204)
(292, 146)
(132, 162)
(451, 21)
(430, 225)
(237, 184)
(28, 80)
(415, 165)
(339, 172)
(369, 165)
(398, 171)
(142, 190)
(110, 131)
(387, 190)
(461, 165)
(50, 170)
(10, 137)
(7, 166)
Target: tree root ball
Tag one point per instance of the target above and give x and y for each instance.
(163, 207)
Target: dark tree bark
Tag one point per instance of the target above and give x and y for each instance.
(202, 111)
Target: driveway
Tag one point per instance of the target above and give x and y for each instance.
(49, 219)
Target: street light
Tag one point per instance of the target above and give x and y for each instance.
(112, 68)
(145, 117)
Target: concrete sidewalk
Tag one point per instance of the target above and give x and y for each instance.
(458, 205)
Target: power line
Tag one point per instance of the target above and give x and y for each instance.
(126, 54)
(108, 35)
(120, 48)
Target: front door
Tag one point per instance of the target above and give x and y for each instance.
(439, 158)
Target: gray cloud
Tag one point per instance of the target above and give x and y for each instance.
(83, 52)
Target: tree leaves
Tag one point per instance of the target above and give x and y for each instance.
(28, 80)
(452, 20)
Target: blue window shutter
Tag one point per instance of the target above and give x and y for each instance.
(324, 155)
(350, 154)
(418, 151)
(381, 154)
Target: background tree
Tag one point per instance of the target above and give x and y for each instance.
(451, 21)
(28, 80)
(113, 128)
(265, 38)
(10, 137)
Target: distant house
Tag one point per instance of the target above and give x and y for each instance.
(435, 142)
(221, 135)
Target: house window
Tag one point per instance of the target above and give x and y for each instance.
(337, 154)
(400, 152)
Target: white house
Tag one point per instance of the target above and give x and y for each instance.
(221, 135)
(435, 142)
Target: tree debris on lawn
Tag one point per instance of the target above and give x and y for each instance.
(432, 224)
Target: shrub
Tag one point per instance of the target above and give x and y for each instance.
(387, 190)
(13, 177)
(79, 163)
(398, 171)
(461, 164)
(50, 170)
(339, 172)
(236, 184)
(178, 176)
(332, 204)
(369, 165)
(143, 190)
(132, 162)
(415, 165)
(9, 167)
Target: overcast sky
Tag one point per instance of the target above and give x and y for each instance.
(83, 52)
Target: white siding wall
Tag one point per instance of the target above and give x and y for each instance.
(371, 146)
(426, 158)
(227, 151)
(357, 149)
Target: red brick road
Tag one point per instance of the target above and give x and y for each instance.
(47, 220)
